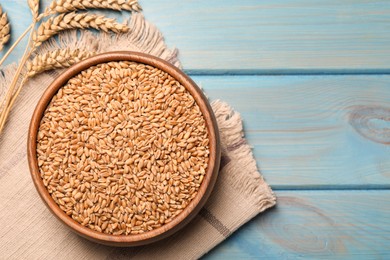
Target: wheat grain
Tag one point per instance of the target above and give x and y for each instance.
(58, 59)
(107, 152)
(64, 6)
(4, 29)
(34, 7)
(73, 20)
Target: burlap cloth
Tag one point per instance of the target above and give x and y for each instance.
(29, 231)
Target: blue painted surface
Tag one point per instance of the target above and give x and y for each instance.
(302, 131)
(311, 80)
(315, 225)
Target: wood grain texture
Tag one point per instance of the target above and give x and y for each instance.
(315, 225)
(265, 36)
(327, 133)
(313, 131)
(275, 35)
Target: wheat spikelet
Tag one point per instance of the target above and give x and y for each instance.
(64, 6)
(58, 59)
(4, 29)
(73, 20)
(34, 6)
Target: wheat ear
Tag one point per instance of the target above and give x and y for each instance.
(58, 59)
(34, 7)
(73, 20)
(4, 29)
(64, 6)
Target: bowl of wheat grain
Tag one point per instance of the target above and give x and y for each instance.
(123, 148)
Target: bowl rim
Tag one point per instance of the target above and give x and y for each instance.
(192, 208)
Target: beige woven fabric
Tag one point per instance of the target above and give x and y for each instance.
(30, 231)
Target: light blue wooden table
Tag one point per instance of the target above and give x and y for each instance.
(312, 82)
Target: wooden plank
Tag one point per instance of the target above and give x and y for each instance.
(313, 131)
(275, 35)
(251, 36)
(315, 225)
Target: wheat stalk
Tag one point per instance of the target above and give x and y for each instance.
(4, 29)
(75, 20)
(64, 6)
(58, 59)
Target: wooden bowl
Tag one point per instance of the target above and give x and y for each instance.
(204, 190)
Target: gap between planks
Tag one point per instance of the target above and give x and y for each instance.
(354, 187)
(287, 72)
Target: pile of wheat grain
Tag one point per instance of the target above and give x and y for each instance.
(122, 148)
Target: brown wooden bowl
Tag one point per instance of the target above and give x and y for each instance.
(204, 190)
